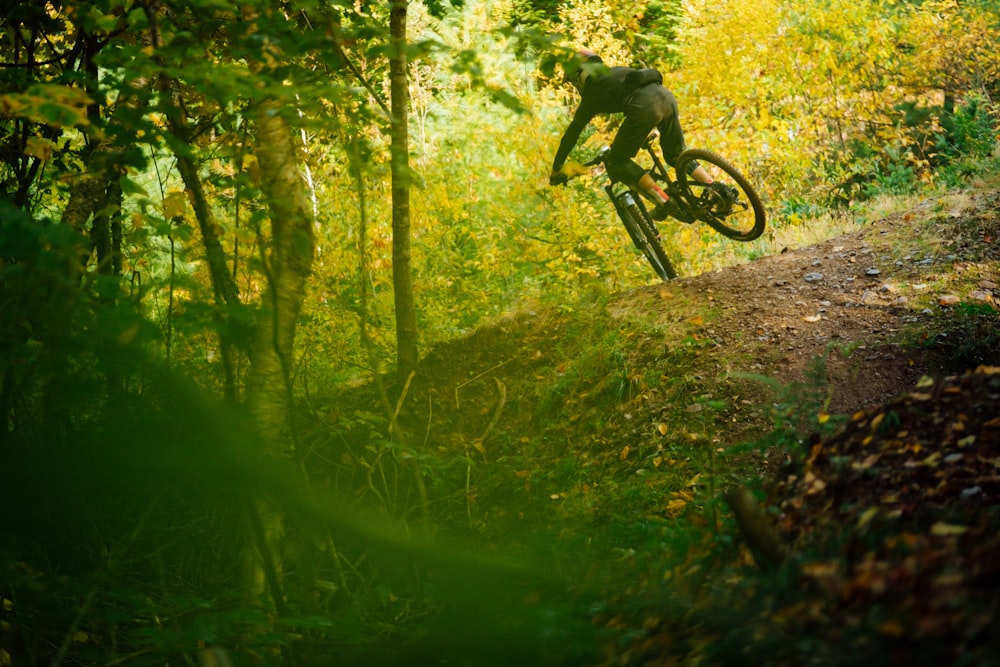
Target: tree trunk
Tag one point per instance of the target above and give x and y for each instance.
(288, 266)
(223, 282)
(105, 231)
(269, 390)
(402, 278)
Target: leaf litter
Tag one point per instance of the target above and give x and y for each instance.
(893, 523)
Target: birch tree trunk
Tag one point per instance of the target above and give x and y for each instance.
(288, 265)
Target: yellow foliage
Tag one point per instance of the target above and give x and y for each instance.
(783, 88)
(593, 25)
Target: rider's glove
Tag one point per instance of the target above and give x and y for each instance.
(558, 178)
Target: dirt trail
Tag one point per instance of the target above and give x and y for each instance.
(846, 299)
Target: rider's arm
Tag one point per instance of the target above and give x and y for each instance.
(569, 139)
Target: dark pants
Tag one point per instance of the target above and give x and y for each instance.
(650, 106)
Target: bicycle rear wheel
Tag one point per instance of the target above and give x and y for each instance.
(742, 217)
(645, 237)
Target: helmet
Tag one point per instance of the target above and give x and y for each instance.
(584, 64)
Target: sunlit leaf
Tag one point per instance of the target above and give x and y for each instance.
(942, 529)
(39, 147)
(175, 204)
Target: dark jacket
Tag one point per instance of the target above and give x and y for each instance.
(603, 93)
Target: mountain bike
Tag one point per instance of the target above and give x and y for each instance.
(739, 215)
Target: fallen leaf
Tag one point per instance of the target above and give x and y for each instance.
(891, 628)
(867, 516)
(942, 529)
(675, 506)
(877, 421)
(866, 463)
(950, 579)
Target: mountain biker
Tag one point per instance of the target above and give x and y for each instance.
(639, 95)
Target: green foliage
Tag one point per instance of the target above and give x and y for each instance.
(806, 95)
(966, 336)
(798, 411)
(970, 130)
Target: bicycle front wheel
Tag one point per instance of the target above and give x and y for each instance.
(643, 233)
(737, 213)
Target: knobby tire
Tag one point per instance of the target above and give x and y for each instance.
(742, 221)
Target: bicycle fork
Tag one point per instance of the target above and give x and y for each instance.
(629, 210)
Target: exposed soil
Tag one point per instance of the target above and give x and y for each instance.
(851, 295)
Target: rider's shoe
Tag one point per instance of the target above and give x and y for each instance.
(671, 209)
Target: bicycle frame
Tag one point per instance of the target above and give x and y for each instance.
(632, 212)
(658, 172)
(739, 216)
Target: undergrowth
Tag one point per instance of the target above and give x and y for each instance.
(549, 493)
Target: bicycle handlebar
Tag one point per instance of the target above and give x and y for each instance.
(599, 158)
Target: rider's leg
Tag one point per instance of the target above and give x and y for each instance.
(702, 175)
(651, 190)
(649, 107)
(644, 111)
(672, 139)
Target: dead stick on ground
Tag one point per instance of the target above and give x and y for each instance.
(757, 530)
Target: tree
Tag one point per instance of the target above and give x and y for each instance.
(402, 272)
(288, 267)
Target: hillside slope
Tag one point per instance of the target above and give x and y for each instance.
(855, 293)
(913, 292)
(597, 440)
